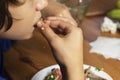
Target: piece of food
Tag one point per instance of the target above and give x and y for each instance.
(99, 69)
(91, 75)
(56, 74)
(114, 14)
(51, 77)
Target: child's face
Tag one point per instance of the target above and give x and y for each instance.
(27, 14)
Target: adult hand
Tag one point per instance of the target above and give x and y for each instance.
(67, 46)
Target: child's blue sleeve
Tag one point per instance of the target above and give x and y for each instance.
(4, 46)
(1, 78)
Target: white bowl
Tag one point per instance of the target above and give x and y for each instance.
(40, 75)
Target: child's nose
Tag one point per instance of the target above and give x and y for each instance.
(41, 4)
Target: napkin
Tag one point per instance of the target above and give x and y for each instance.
(106, 46)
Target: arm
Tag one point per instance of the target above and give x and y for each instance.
(67, 48)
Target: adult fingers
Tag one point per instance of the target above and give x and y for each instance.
(60, 26)
(47, 31)
(67, 20)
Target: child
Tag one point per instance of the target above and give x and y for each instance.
(19, 18)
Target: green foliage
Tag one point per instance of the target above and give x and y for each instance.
(117, 4)
(114, 14)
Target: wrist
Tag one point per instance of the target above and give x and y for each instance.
(73, 72)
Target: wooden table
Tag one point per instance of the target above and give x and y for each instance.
(27, 57)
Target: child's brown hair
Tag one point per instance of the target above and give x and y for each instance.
(5, 16)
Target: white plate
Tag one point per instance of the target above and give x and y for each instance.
(44, 72)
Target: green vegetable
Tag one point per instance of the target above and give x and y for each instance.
(51, 77)
(114, 14)
(99, 69)
(117, 4)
